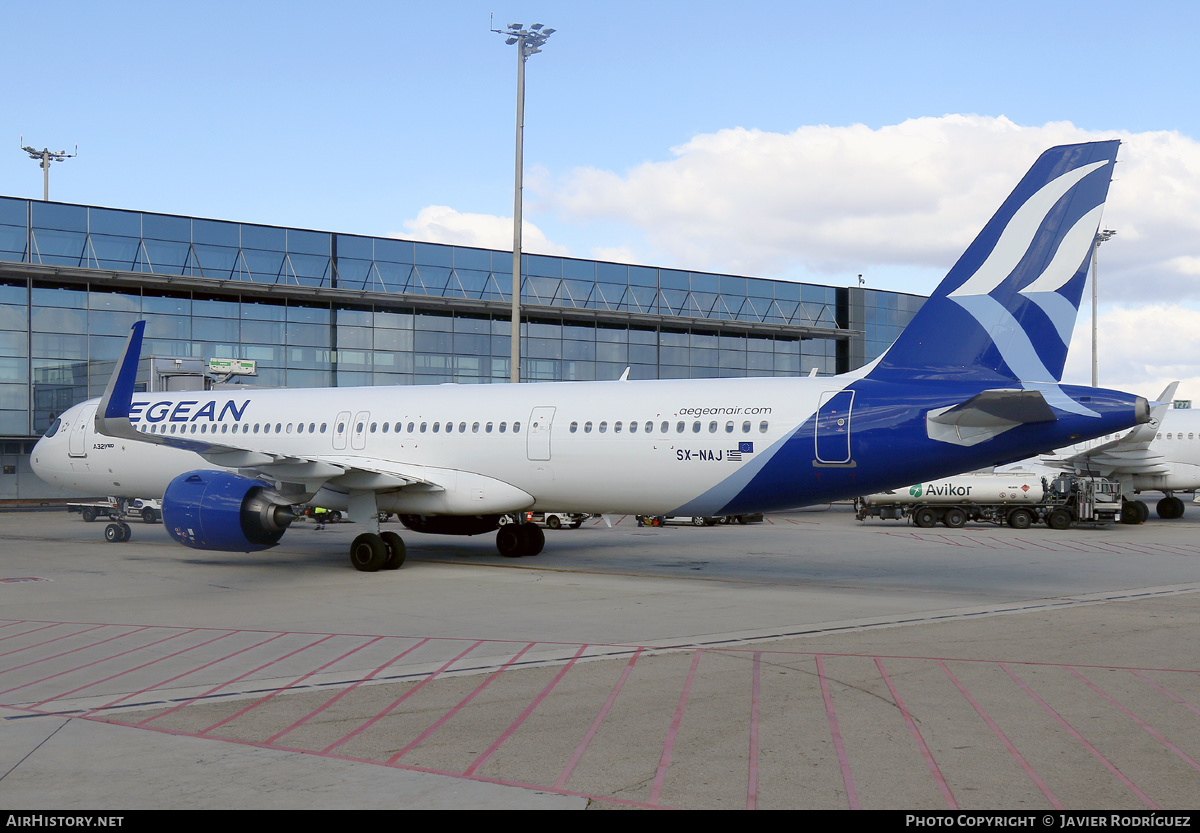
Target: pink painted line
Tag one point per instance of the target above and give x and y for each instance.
(1017, 542)
(1093, 751)
(1012, 750)
(836, 734)
(752, 774)
(64, 653)
(386, 711)
(664, 760)
(147, 664)
(565, 775)
(265, 665)
(298, 681)
(177, 677)
(215, 688)
(102, 659)
(344, 692)
(938, 779)
(35, 630)
(1143, 724)
(462, 704)
(525, 714)
(1070, 545)
(981, 542)
(1174, 697)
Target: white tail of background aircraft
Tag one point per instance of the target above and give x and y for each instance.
(973, 381)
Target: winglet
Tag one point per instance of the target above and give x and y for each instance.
(112, 414)
(1146, 431)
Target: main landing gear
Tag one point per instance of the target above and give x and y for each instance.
(1170, 508)
(516, 540)
(371, 553)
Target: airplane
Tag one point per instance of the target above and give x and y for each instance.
(972, 381)
(1162, 455)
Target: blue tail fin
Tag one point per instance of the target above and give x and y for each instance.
(1007, 308)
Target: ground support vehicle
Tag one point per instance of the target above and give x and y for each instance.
(557, 520)
(1016, 498)
(698, 520)
(116, 509)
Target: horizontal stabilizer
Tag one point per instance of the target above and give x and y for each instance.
(987, 415)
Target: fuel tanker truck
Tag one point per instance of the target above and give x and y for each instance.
(1019, 499)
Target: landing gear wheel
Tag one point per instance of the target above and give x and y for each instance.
(368, 553)
(1134, 512)
(1170, 508)
(554, 522)
(925, 518)
(954, 518)
(89, 514)
(508, 541)
(396, 550)
(1059, 519)
(114, 534)
(533, 539)
(1020, 519)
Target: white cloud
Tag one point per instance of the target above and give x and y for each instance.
(899, 204)
(1140, 349)
(845, 200)
(442, 224)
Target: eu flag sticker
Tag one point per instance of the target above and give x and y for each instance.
(746, 448)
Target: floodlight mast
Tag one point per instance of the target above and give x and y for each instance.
(46, 156)
(1101, 237)
(528, 42)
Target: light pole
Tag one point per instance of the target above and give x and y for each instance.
(528, 42)
(1101, 237)
(47, 156)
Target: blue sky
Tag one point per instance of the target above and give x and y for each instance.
(783, 139)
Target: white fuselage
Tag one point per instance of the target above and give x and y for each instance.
(1171, 463)
(588, 447)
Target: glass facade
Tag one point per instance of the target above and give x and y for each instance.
(322, 308)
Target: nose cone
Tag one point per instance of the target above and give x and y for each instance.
(38, 460)
(49, 453)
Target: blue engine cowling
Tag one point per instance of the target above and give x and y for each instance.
(217, 510)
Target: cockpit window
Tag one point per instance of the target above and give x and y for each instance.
(53, 429)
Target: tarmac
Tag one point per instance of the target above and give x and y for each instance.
(808, 662)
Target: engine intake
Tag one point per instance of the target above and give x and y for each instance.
(217, 510)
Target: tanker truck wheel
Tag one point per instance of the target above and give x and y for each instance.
(925, 518)
(954, 517)
(1020, 519)
(1059, 519)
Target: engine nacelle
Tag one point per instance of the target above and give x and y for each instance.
(451, 524)
(217, 510)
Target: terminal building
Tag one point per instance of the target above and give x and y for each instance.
(321, 309)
